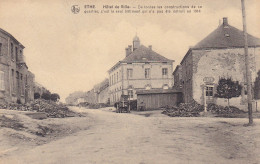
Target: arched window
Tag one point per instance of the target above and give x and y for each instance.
(147, 87)
(165, 86)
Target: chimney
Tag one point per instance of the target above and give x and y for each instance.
(225, 21)
(126, 51)
(130, 49)
(150, 47)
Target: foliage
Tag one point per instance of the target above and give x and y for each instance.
(257, 86)
(227, 88)
(55, 97)
(46, 96)
(37, 95)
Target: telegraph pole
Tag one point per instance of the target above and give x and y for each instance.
(248, 73)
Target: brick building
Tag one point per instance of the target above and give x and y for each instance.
(220, 54)
(141, 69)
(16, 81)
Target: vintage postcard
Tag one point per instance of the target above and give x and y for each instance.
(129, 81)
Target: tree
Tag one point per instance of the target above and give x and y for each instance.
(257, 86)
(227, 89)
(55, 97)
(46, 96)
(37, 95)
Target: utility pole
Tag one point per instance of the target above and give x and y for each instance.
(248, 73)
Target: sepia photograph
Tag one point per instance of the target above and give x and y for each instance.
(129, 82)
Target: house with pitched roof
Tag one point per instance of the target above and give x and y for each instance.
(141, 69)
(220, 54)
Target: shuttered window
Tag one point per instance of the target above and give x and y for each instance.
(1, 49)
(2, 82)
(147, 73)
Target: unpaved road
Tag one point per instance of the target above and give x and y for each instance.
(146, 138)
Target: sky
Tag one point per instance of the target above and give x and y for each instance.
(72, 52)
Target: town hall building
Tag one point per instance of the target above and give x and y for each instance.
(141, 69)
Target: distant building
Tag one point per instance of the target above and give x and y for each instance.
(101, 90)
(220, 54)
(16, 81)
(141, 69)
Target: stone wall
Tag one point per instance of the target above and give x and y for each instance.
(218, 63)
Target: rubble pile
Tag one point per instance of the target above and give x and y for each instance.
(192, 109)
(221, 110)
(51, 108)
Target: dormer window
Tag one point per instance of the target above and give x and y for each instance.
(227, 35)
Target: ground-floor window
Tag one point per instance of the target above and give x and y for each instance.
(130, 94)
(209, 91)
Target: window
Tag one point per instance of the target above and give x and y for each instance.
(165, 86)
(22, 85)
(16, 53)
(1, 49)
(114, 78)
(165, 71)
(12, 51)
(13, 81)
(2, 82)
(130, 94)
(147, 87)
(209, 91)
(17, 81)
(147, 73)
(129, 73)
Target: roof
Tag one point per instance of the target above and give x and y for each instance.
(11, 36)
(144, 54)
(226, 36)
(178, 67)
(102, 85)
(157, 91)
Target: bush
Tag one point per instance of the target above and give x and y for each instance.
(37, 95)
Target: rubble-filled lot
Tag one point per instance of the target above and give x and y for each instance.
(194, 109)
(52, 109)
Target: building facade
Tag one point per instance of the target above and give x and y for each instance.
(16, 81)
(219, 55)
(141, 69)
(101, 91)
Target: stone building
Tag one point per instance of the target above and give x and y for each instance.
(16, 82)
(142, 68)
(220, 54)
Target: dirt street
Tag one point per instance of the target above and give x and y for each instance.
(139, 138)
